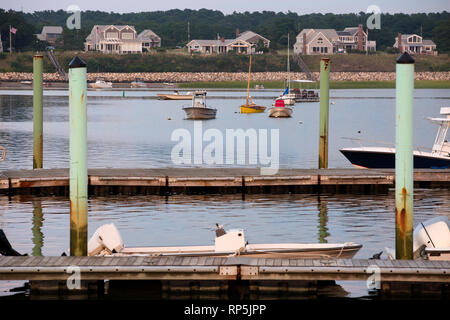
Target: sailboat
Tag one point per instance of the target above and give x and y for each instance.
(250, 106)
(287, 96)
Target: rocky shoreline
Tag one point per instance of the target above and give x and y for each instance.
(178, 77)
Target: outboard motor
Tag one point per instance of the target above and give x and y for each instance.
(106, 237)
(433, 234)
(5, 247)
(231, 241)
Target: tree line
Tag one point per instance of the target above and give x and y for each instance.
(172, 26)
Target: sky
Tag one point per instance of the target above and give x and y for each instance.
(228, 6)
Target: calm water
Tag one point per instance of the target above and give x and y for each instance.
(136, 133)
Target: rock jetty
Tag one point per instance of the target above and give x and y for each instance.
(177, 77)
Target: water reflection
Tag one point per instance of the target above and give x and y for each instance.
(38, 221)
(323, 219)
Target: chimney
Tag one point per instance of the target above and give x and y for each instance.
(399, 44)
(222, 39)
(237, 33)
(360, 37)
(304, 43)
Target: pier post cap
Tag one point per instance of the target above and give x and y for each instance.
(405, 58)
(77, 63)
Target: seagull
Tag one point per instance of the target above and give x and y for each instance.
(376, 256)
(219, 231)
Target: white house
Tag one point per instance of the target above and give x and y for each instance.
(414, 44)
(120, 39)
(330, 41)
(244, 43)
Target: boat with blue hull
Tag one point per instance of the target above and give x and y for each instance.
(384, 157)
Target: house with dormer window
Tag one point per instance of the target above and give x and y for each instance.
(330, 41)
(414, 44)
(120, 39)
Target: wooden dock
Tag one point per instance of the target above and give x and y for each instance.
(258, 277)
(220, 268)
(166, 181)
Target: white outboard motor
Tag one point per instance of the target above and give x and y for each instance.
(231, 241)
(433, 233)
(106, 237)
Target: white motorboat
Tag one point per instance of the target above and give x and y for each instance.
(107, 241)
(101, 84)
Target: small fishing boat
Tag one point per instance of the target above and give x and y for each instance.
(250, 106)
(101, 84)
(384, 157)
(107, 241)
(175, 96)
(279, 110)
(198, 110)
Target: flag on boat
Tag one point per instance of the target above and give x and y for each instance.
(12, 30)
(286, 91)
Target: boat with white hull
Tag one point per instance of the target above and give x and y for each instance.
(384, 157)
(107, 241)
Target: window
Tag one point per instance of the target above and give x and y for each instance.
(319, 40)
(127, 35)
(112, 35)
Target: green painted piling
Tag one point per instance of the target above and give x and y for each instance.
(404, 161)
(324, 111)
(78, 157)
(38, 139)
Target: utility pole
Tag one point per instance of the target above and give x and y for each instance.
(189, 32)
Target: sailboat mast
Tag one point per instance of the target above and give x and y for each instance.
(288, 67)
(249, 69)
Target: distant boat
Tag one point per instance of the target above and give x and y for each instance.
(175, 96)
(384, 157)
(101, 84)
(107, 241)
(138, 84)
(287, 96)
(199, 111)
(303, 95)
(279, 110)
(250, 106)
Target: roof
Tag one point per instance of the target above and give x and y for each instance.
(406, 36)
(245, 36)
(330, 34)
(51, 29)
(98, 35)
(214, 43)
(148, 34)
(428, 42)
